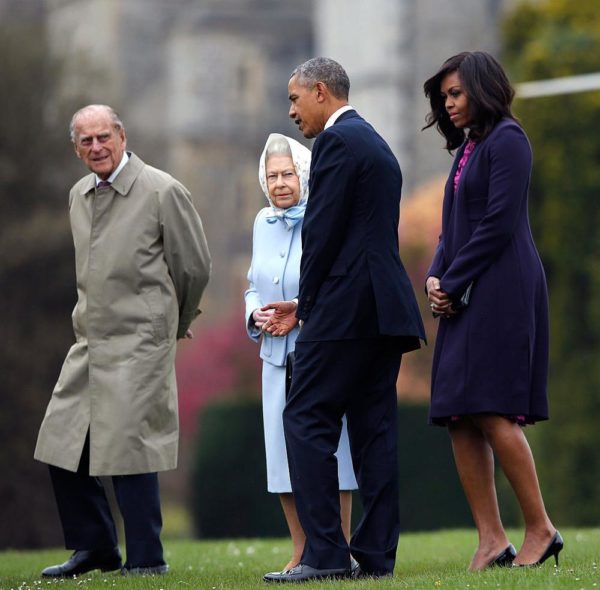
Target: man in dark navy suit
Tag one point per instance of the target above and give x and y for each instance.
(358, 315)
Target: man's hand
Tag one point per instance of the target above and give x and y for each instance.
(283, 319)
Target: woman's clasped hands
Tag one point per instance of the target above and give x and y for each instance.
(261, 316)
(439, 301)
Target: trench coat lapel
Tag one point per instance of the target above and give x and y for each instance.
(125, 179)
(122, 183)
(87, 184)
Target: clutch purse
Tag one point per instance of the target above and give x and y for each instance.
(289, 368)
(465, 298)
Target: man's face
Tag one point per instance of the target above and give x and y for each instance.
(98, 143)
(306, 108)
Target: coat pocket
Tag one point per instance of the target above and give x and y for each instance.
(266, 348)
(156, 306)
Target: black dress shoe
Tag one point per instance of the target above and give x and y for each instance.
(303, 573)
(153, 570)
(357, 573)
(83, 561)
(505, 558)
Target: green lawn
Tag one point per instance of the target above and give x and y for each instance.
(425, 560)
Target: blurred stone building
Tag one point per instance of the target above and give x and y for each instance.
(390, 47)
(199, 86)
(201, 83)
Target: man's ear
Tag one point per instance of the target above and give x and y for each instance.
(322, 92)
(76, 150)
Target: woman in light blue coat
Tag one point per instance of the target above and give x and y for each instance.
(274, 276)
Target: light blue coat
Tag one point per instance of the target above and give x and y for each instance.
(273, 276)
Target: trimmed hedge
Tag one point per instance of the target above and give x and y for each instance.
(229, 497)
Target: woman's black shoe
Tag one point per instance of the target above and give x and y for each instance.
(554, 548)
(505, 558)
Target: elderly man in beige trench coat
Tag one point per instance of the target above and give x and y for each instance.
(142, 264)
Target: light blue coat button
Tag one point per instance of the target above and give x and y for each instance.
(275, 280)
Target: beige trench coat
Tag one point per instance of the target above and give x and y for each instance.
(142, 263)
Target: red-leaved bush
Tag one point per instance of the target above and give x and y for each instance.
(219, 361)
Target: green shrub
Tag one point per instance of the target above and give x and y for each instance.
(229, 491)
(229, 497)
(431, 496)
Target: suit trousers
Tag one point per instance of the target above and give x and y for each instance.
(356, 377)
(87, 520)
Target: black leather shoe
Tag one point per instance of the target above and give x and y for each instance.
(357, 573)
(505, 558)
(303, 573)
(153, 570)
(83, 561)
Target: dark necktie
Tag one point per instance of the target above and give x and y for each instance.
(103, 184)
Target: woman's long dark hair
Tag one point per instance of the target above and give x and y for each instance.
(488, 91)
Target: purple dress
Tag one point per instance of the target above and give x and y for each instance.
(493, 356)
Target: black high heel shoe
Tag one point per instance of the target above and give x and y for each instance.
(505, 558)
(554, 548)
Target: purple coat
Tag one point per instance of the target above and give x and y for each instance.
(493, 356)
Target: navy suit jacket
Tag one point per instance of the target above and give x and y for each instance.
(352, 282)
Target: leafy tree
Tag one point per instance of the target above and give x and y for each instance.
(549, 39)
(36, 273)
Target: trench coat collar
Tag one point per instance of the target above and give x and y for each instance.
(123, 182)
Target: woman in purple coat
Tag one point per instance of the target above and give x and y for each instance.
(487, 285)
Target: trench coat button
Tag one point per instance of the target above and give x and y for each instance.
(275, 280)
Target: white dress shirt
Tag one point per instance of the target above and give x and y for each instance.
(116, 171)
(334, 116)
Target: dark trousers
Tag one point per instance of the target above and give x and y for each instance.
(88, 523)
(358, 378)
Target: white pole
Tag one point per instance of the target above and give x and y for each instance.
(566, 85)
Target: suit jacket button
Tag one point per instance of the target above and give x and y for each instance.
(275, 280)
